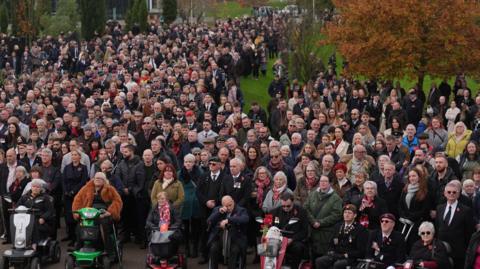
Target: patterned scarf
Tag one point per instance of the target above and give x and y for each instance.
(164, 212)
(262, 185)
(277, 192)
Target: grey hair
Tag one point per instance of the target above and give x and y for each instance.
(468, 181)
(371, 183)
(47, 151)
(108, 162)
(281, 175)
(38, 182)
(427, 225)
(255, 175)
(190, 157)
(455, 184)
(23, 169)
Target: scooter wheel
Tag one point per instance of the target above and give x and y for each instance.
(5, 263)
(56, 253)
(35, 263)
(106, 263)
(69, 263)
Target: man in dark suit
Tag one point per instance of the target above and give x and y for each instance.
(347, 244)
(454, 222)
(208, 193)
(145, 137)
(238, 185)
(234, 218)
(386, 245)
(390, 188)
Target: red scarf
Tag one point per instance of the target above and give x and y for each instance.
(261, 186)
(277, 192)
(14, 186)
(164, 212)
(366, 203)
(311, 182)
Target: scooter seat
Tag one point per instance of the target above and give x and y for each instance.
(88, 250)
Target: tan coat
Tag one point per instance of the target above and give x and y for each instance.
(174, 192)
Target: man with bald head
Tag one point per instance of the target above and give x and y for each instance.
(234, 218)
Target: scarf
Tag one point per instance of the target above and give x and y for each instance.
(411, 190)
(366, 203)
(277, 192)
(276, 167)
(311, 182)
(357, 166)
(261, 186)
(166, 182)
(164, 212)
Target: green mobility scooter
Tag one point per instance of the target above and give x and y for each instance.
(88, 252)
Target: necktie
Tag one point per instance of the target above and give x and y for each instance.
(385, 239)
(447, 216)
(214, 177)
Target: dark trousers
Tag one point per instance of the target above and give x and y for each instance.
(295, 252)
(237, 253)
(191, 232)
(134, 216)
(328, 261)
(69, 220)
(204, 232)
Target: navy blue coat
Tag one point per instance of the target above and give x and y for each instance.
(238, 221)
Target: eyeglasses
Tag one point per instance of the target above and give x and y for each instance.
(196, 154)
(310, 170)
(385, 221)
(287, 206)
(147, 122)
(425, 233)
(452, 192)
(275, 156)
(213, 164)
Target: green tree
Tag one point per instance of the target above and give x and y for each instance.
(92, 17)
(169, 10)
(3, 18)
(142, 15)
(131, 16)
(65, 19)
(303, 42)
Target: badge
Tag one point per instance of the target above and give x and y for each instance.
(277, 220)
(237, 185)
(350, 239)
(335, 241)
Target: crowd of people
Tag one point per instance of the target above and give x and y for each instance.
(155, 128)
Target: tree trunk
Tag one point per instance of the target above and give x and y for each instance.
(421, 78)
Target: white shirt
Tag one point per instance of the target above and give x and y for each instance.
(11, 175)
(454, 207)
(212, 175)
(342, 182)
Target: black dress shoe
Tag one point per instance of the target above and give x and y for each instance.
(203, 261)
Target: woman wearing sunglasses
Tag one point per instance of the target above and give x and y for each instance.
(429, 252)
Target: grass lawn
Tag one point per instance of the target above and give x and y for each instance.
(232, 9)
(257, 90)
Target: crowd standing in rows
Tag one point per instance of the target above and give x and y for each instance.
(163, 112)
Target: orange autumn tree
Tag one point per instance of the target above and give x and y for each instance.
(407, 38)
